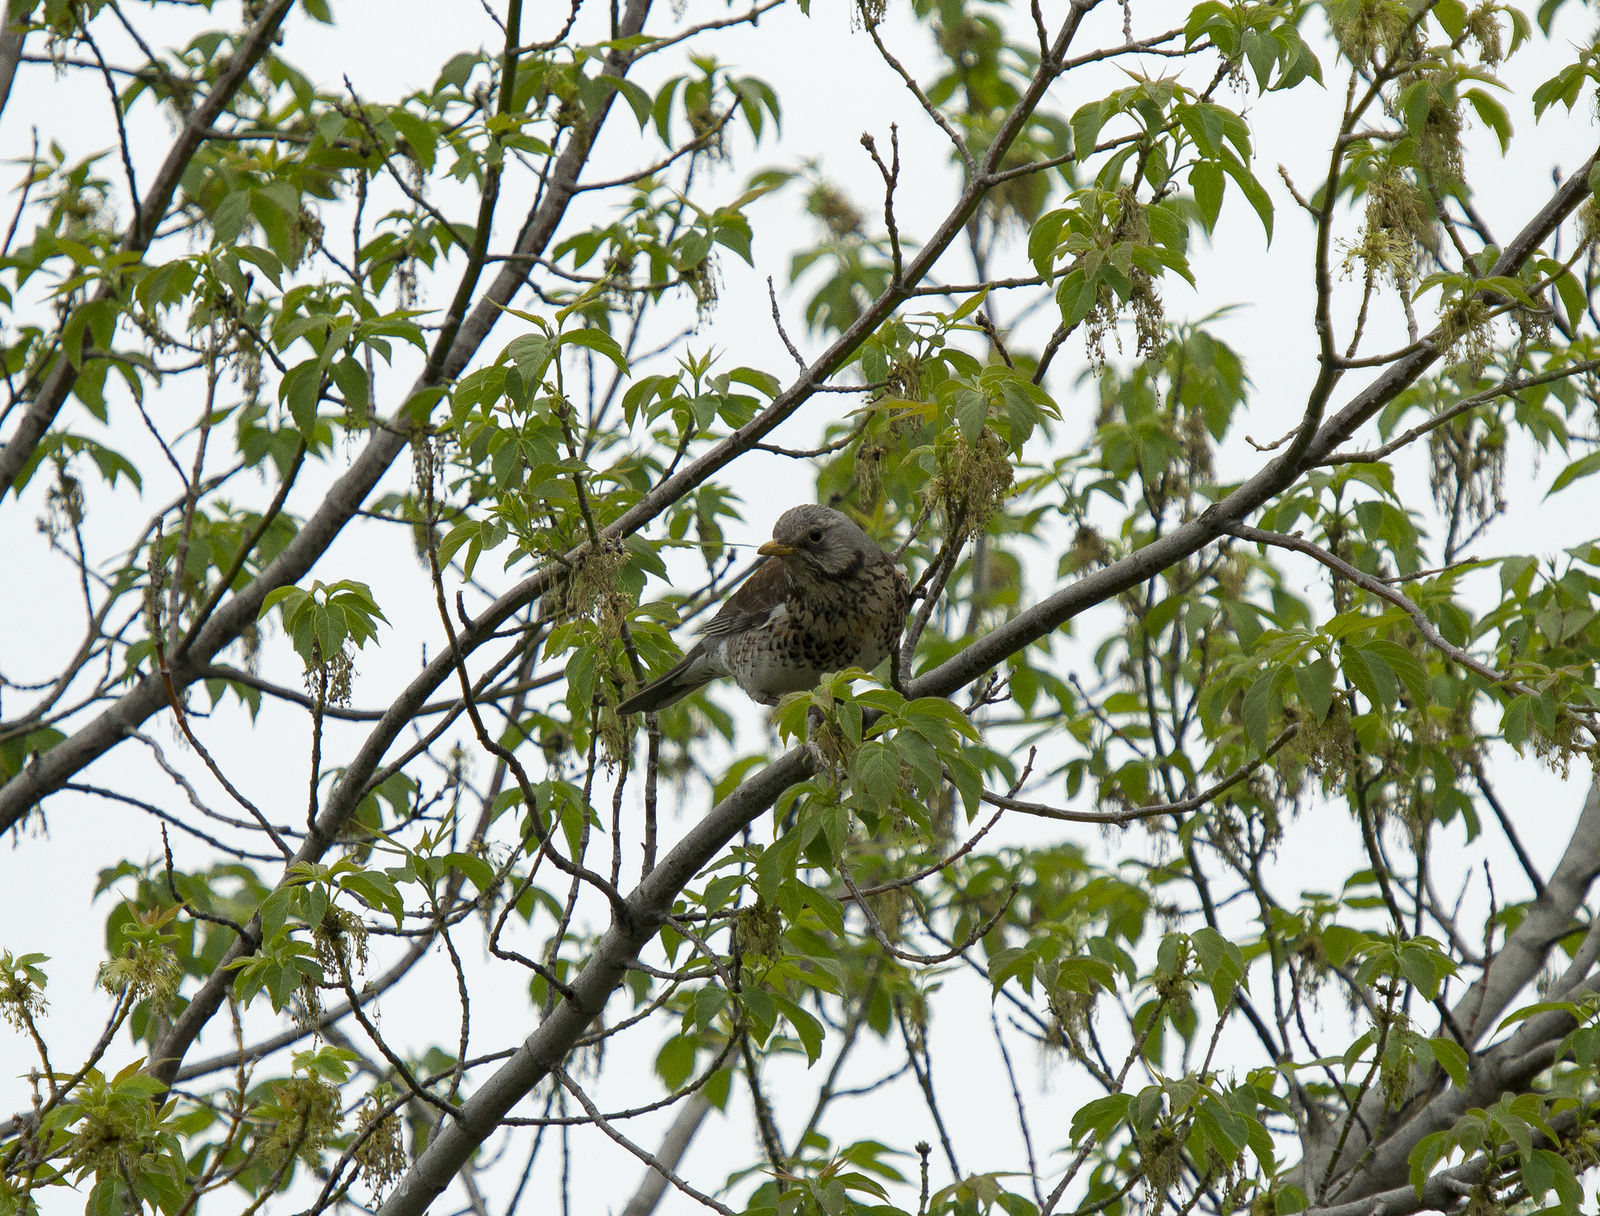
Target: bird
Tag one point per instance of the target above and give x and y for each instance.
(826, 598)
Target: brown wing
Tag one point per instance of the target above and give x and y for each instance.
(753, 603)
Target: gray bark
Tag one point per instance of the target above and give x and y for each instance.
(646, 910)
(648, 904)
(1509, 1066)
(341, 504)
(1442, 1192)
(11, 39)
(1279, 474)
(343, 500)
(58, 384)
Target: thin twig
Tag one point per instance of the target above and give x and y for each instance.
(1133, 814)
(1383, 591)
(911, 956)
(777, 320)
(659, 1166)
(891, 178)
(909, 879)
(1022, 1114)
(1512, 838)
(928, 107)
(183, 724)
(1504, 389)
(116, 109)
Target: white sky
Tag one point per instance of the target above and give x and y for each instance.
(833, 87)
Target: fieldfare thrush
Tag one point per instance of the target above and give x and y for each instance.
(825, 599)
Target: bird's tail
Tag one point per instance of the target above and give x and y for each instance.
(688, 676)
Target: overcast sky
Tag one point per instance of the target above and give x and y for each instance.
(833, 87)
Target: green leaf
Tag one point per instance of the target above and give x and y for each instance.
(1373, 677)
(638, 100)
(1573, 300)
(1043, 239)
(708, 1003)
(1425, 1156)
(229, 218)
(378, 891)
(1338, 941)
(598, 341)
(458, 70)
(1253, 189)
(675, 1060)
(971, 413)
(970, 305)
(875, 774)
(1262, 51)
(1012, 962)
(531, 353)
(776, 863)
(419, 134)
(1584, 466)
(763, 382)
(1514, 721)
(1567, 1007)
(1205, 179)
(1538, 1174)
(1493, 116)
(968, 780)
(1452, 1058)
(110, 1197)
(946, 712)
(1100, 1116)
(1259, 707)
(1314, 681)
(351, 378)
(479, 871)
(759, 1010)
(1517, 572)
(274, 912)
(299, 391)
(1566, 1182)
(806, 1027)
(1451, 16)
(263, 258)
(1203, 125)
(1222, 964)
(1405, 665)
(1086, 124)
(1423, 965)
(1159, 617)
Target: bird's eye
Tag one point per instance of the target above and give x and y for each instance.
(816, 535)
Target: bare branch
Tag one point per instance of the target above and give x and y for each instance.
(656, 1164)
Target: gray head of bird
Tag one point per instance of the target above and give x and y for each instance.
(818, 544)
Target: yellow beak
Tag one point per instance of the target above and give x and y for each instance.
(776, 549)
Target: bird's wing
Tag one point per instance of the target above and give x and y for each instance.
(753, 604)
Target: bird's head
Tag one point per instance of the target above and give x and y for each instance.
(818, 544)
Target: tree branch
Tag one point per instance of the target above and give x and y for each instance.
(141, 230)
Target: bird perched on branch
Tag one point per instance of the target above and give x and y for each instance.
(825, 599)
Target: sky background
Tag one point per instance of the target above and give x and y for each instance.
(833, 86)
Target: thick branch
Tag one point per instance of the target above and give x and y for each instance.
(1094, 588)
(341, 504)
(10, 56)
(58, 385)
(649, 905)
(1516, 963)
